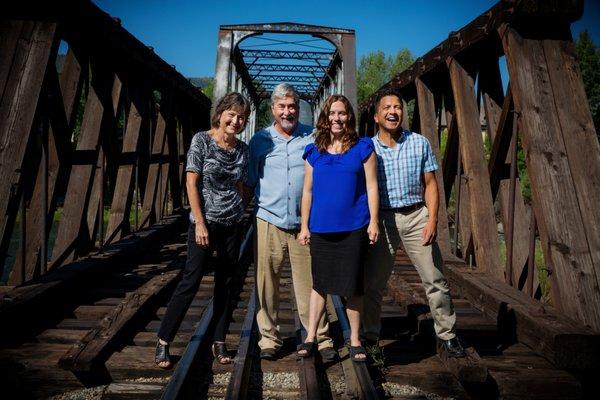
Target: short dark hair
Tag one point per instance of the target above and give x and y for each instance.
(389, 91)
(232, 100)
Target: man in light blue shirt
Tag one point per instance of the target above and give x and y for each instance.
(408, 197)
(276, 173)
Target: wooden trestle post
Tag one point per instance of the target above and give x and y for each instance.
(563, 162)
(60, 126)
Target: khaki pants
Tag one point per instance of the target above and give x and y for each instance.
(397, 227)
(272, 243)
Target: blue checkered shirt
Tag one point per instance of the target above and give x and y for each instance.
(399, 169)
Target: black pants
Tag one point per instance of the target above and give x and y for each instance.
(226, 240)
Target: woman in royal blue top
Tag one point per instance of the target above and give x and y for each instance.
(340, 204)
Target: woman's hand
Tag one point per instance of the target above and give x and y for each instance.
(304, 237)
(370, 167)
(373, 232)
(201, 234)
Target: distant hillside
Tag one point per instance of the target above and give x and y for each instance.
(201, 82)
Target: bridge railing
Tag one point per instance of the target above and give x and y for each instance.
(94, 128)
(539, 129)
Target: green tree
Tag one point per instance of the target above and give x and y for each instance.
(589, 63)
(264, 117)
(375, 69)
(208, 89)
(402, 60)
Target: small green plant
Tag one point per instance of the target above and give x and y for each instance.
(540, 267)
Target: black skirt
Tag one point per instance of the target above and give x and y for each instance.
(338, 262)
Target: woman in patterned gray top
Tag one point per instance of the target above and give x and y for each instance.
(216, 168)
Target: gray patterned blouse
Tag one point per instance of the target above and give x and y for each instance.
(220, 170)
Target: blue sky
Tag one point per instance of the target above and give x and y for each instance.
(184, 32)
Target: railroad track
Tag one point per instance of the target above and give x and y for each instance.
(102, 335)
(250, 377)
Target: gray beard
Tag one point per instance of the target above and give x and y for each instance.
(287, 125)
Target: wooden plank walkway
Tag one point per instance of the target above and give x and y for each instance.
(126, 370)
(31, 365)
(515, 370)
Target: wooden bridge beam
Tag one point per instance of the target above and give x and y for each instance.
(23, 68)
(104, 89)
(61, 96)
(560, 339)
(429, 128)
(533, 11)
(163, 182)
(483, 222)
(450, 159)
(490, 83)
(563, 161)
(118, 222)
(450, 168)
(175, 151)
(89, 230)
(149, 215)
(28, 59)
(183, 145)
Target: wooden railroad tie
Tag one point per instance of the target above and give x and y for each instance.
(95, 347)
(467, 369)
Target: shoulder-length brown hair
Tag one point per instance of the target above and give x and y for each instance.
(231, 101)
(323, 135)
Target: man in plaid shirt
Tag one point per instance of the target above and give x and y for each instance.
(408, 196)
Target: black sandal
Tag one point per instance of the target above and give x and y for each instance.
(220, 352)
(355, 351)
(162, 355)
(308, 347)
